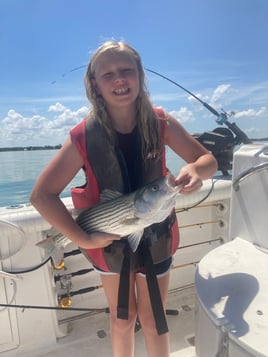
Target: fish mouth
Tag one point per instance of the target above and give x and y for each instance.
(171, 190)
(170, 183)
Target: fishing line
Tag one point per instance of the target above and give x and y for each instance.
(29, 270)
(211, 109)
(21, 246)
(202, 199)
(214, 111)
(222, 117)
(156, 73)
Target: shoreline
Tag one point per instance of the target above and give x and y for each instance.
(31, 148)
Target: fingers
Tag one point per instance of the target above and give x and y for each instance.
(189, 179)
(106, 243)
(191, 187)
(109, 241)
(99, 240)
(188, 183)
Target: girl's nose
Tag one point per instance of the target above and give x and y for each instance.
(119, 79)
(119, 76)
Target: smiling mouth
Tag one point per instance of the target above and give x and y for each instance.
(122, 91)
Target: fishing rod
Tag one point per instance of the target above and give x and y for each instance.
(221, 141)
(222, 117)
(41, 307)
(212, 110)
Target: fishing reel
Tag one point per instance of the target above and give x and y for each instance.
(222, 141)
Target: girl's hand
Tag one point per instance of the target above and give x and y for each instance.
(98, 240)
(189, 178)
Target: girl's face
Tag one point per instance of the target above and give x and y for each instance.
(116, 78)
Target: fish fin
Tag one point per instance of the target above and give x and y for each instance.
(130, 221)
(134, 239)
(52, 250)
(47, 244)
(57, 256)
(109, 195)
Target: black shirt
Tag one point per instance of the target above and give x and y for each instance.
(129, 145)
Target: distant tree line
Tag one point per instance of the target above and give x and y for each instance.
(31, 148)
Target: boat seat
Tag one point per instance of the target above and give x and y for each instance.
(232, 301)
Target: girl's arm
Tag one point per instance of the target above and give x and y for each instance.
(200, 165)
(45, 197)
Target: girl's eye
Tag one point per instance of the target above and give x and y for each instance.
(108, 74)
(128, 70)
(121, 72)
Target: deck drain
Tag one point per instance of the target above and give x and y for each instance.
(186, 308)
(101, 333)
(191, 340)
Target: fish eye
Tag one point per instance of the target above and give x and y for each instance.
(155, 188)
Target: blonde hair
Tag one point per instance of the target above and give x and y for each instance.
(148, 125)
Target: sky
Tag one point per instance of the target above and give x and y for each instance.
(216, 49)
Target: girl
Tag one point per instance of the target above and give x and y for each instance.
(122, 123)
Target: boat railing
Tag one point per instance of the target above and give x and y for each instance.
(248, 172)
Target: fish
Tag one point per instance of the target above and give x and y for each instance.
(126, 215)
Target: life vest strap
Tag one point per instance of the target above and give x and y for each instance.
(152, 283)
(153, 287)
(123, 290)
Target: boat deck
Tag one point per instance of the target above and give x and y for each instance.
(90, 336)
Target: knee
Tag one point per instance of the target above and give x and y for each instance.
(121, 324)
(147, 322)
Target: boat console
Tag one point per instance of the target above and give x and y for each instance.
(231, 280)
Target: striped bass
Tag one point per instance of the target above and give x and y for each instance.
(123, 215)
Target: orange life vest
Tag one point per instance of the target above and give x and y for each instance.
(103, 171)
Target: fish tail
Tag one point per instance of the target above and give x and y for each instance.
(53, 250)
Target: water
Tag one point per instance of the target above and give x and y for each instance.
(20, 169)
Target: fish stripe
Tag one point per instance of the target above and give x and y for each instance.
(109, 216)
(118, 216)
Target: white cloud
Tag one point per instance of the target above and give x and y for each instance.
(12, 115)
(202, 97)
(58, 107)
(19, 130)
(183, 114)
(68, 118)
(251, 113)
(50, 124)
(218, 92)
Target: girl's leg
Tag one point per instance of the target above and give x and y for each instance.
(157, 346)
(122, 331)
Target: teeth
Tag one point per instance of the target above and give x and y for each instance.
(121, 91)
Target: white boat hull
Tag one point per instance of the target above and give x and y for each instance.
(29, 330)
